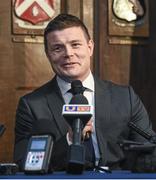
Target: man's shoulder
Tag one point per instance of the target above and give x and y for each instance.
(114, 89)
(40, 91)
(110, 84)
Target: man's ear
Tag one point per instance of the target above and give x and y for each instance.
(91, 46)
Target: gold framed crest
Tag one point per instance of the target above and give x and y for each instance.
(124, 20)
(30, 17)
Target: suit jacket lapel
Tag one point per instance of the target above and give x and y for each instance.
(102, 100)
(56, 102)
(102, 115)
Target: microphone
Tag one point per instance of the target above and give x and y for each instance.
(77, 113)
(77, 87)
(151, 138)
(139, 146)
(144, 163)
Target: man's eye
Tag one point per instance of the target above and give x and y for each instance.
(76, 44)
(57, 49)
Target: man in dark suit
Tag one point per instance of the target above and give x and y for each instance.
(69, 48)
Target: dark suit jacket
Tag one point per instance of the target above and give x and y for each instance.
(115, 106)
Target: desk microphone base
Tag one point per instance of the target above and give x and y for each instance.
(76, 159)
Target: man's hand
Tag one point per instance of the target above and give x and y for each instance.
(88, 129)
(70, 135)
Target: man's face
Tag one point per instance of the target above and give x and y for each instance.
(69, 53)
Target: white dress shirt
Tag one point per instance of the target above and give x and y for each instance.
(89, 93)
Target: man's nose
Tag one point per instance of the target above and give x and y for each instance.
(68, 51)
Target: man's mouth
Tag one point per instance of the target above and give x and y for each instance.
(70, 64)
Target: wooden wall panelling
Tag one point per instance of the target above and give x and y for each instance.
(73, 7)
(113, 60)
(88, 15)
(7, 91)
(87, 11)
(32, 64)
(7, 109)
(82, 9)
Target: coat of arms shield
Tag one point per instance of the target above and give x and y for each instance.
(30, 17)
(34, 11)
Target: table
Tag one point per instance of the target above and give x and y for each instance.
(85, 175)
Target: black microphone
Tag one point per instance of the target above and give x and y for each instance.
(80, 121)
(77, 113)
(145, 163)
(150, 137)
(77, 87)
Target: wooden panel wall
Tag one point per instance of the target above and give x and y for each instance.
(7, 90)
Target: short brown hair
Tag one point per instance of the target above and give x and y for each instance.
(63, 21)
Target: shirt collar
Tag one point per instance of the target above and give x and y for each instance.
(65, 86)
(89, 82)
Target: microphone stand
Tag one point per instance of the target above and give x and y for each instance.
(76, 154)
(139, 146)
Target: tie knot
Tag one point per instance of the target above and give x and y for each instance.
(77, 90)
